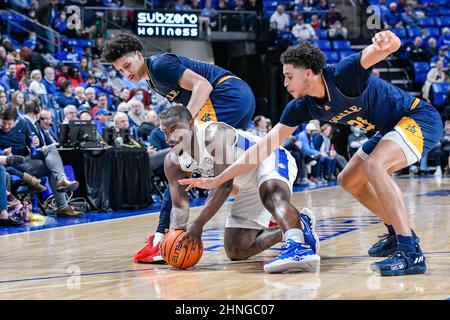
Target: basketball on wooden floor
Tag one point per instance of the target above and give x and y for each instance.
(174, 253)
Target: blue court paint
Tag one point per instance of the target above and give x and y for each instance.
(435, 193)
(54, 222)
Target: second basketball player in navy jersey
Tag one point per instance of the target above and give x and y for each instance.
(346, 93)
(209, 92)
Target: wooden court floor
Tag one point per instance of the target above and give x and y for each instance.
(94, 261)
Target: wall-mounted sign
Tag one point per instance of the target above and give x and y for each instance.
(172, 24)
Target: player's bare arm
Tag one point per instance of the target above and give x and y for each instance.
(383, 44)
(180, 199)
(220, 146)
(200, 87)
(249, 160)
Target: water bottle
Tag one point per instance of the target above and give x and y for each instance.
(26, 214)
(32, 145)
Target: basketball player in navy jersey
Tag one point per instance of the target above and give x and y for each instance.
(209, 92)
(346, 93)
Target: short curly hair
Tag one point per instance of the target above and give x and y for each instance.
(120, 45)
(304, 55)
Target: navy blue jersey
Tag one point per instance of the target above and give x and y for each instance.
(166, 70)
(353, 97)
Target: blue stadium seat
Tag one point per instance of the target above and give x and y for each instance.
(445, 21)
(437, 21)
(341, 45)
(439, 91)
(447, 55)
(323, 44)
(345, 54)
(322, 34)
(444, 12)
(434, 32)
(332, 56)
(420, 71)
(426, 22)
(413, 32)
(400, 32)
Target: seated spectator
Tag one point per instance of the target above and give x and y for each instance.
(260, 126)
(80, 95)
(74, 76)
(409, 18)
(435, 75)
(9, 79)
(34, 59)
(444, 39)
(312, 155)
(102, 103)
(141, 95)
(136, 113)
(294, 146)
(392, 18)
(91, 98)
(3, 99)
(445, 146)
(150, 123)
(103, 87)
(322, 5)
(440, 57)
(157, 140)
(123, 107)
(322, 142)
(115, 81)
(70, 113)
(37, 88)
(49, 81)
(90, 82)
(84, 68)
(122, 97)
(102, 119)
(15, 133)
(45, 124)
(32, 42)
(208, 18)
(280, 20)
(355, 140)
(18, 101)
(84, 114)
(315, 22)
(303, 31)
(66, 97)
(416, 52)
(433, 49)
(335, 24)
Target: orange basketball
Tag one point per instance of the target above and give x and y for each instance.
(174, 253)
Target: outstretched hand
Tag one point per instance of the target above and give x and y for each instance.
(204, 183)
(386, 41)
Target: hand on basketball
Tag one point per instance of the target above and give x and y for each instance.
(204, 183)
(193, 234)
(386, 41)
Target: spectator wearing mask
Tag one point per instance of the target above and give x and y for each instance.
(37, 88)
(66, 97)
(91, 98)
(435, 75)
(10, 79)
(115, 81)
(15, 133)
(32, 42)
(140, 95)
(279, 19)
(136, 113)
(303, 31)
(355, 140)
(49, 81)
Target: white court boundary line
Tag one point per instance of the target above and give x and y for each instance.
(131, 217)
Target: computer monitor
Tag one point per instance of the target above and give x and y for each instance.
(79, 134)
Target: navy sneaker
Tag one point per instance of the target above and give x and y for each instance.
(387, 245)
(294, 257)
(401, 263)
(308, 220)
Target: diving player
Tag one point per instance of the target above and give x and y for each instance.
(209, 148)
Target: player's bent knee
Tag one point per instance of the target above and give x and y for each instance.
(236, 253)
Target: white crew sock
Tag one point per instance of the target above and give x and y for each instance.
(157, 238)
(295, 234)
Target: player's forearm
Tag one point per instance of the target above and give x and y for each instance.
(215, 201)
(199, 96)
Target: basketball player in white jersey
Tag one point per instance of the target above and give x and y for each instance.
(209, 148)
